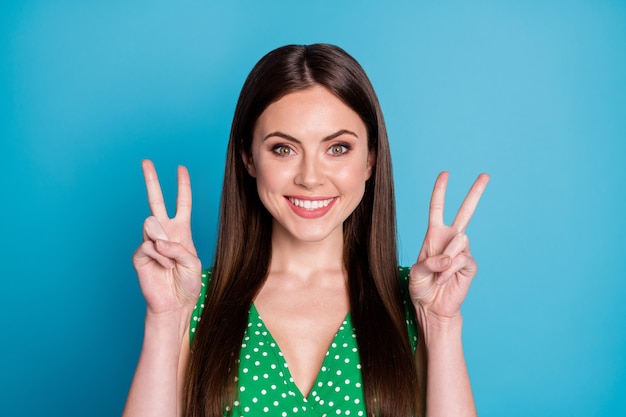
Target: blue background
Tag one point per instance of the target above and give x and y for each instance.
(532, 92)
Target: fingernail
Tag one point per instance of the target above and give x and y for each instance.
(444, 261)
(161, 243)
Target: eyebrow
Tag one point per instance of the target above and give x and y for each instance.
(326, 139)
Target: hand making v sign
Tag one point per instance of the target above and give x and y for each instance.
(445, 267)
(167, 263)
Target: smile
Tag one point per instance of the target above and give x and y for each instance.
(310, 204)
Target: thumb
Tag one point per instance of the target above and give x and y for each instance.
(178, 253)
(431, 265)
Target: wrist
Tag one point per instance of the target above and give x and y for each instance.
(168, 323)
(436, 329)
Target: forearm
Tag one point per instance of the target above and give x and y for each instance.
(156, 389)
(448, 389)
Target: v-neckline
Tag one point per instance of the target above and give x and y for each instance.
(343, 326)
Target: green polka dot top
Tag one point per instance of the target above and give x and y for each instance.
(265, 386)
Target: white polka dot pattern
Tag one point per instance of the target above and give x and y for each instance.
(267, 388)
(265, 385)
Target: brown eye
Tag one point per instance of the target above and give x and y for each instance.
(282, 150)
(338, 149)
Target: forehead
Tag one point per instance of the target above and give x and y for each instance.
(313, 110)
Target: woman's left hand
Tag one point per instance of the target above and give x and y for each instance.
(445, 267)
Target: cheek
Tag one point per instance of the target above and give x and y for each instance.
(351, 181)
(355, 173)
(272, 179)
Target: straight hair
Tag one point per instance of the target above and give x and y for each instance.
(243, 250)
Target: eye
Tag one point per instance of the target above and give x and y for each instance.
(338, 149)
(282, 150)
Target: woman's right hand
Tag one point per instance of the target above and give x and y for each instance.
(167, 263)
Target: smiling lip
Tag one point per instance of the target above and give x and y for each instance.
(311, 208)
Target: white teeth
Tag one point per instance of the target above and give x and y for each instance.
(310, 204)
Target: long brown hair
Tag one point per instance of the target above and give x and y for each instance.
(244, 251)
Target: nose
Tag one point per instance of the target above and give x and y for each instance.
(310, 173)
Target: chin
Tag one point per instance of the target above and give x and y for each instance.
(311, 234)
(311, 237)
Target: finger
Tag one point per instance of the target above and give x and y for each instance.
(457, 250)
(147, 253)
(183, 201)
(431, 265)
(179, 254)
(463, 264)
(466, 211)
(155, 195)
(435, 215)
(458, 244)
(152, 230)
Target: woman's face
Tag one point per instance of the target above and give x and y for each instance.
(310, 158)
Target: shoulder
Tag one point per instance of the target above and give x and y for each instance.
(409, 310)
(404, 275)
(196, 315)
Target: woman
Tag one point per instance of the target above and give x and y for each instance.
(305, 310)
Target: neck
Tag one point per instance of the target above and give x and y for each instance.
(302, 259)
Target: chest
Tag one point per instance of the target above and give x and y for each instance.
(266, 385)
(303, 323)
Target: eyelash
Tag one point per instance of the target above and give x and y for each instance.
(278, 149)
(345, 148)
(280, 146)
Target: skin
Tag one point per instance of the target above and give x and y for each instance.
(168, 269)
(298, 152)
(311, 146)
(439, 283)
